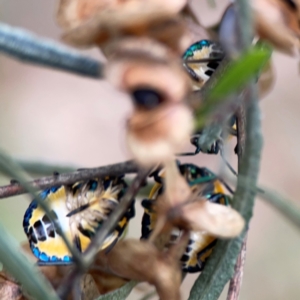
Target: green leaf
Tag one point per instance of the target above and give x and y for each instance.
(121, 293)
(22, 269)
(236, 76)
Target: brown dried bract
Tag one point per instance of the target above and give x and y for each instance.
(9, 289)
(142, 261)
(277, 22)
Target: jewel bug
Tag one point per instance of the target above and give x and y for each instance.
(80, 209)
(200, 244)
(201, 60)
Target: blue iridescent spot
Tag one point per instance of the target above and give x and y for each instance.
(36, 252)
(94, 185)
(44, 257)
(67, 259)
(44, 194)
(54, 189)
(194, 47)
(54, 258)
(33, 204)
(205, 42)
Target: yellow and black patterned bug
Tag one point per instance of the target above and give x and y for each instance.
(200, 244)
(80, 209)
(201, 60)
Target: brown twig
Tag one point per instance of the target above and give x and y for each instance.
(69, 178)
(236, 281)
(100, 236)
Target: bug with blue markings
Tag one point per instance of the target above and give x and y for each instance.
(80, 209)
(201, 60)
(200, 244)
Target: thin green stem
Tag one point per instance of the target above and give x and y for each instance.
(22, 269)
(28, 48)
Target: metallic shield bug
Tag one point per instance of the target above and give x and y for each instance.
(200, 244)
(80, 209)
(201, 60)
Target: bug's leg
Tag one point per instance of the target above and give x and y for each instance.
(195, 142)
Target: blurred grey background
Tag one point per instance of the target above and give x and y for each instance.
(50, 116)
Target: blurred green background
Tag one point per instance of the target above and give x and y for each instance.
(54, 117)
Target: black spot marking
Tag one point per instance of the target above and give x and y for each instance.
(46, 220)
(209, 72)
(185, 258)
(88, 233)
(50, 231)
(31, 236)
(40, 231)
(213, 65)
(77, 243)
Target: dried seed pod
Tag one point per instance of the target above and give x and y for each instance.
(108, 22)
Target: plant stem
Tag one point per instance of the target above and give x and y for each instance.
(68, 178)
(236, 281)
(244, 38)
(26, 47)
